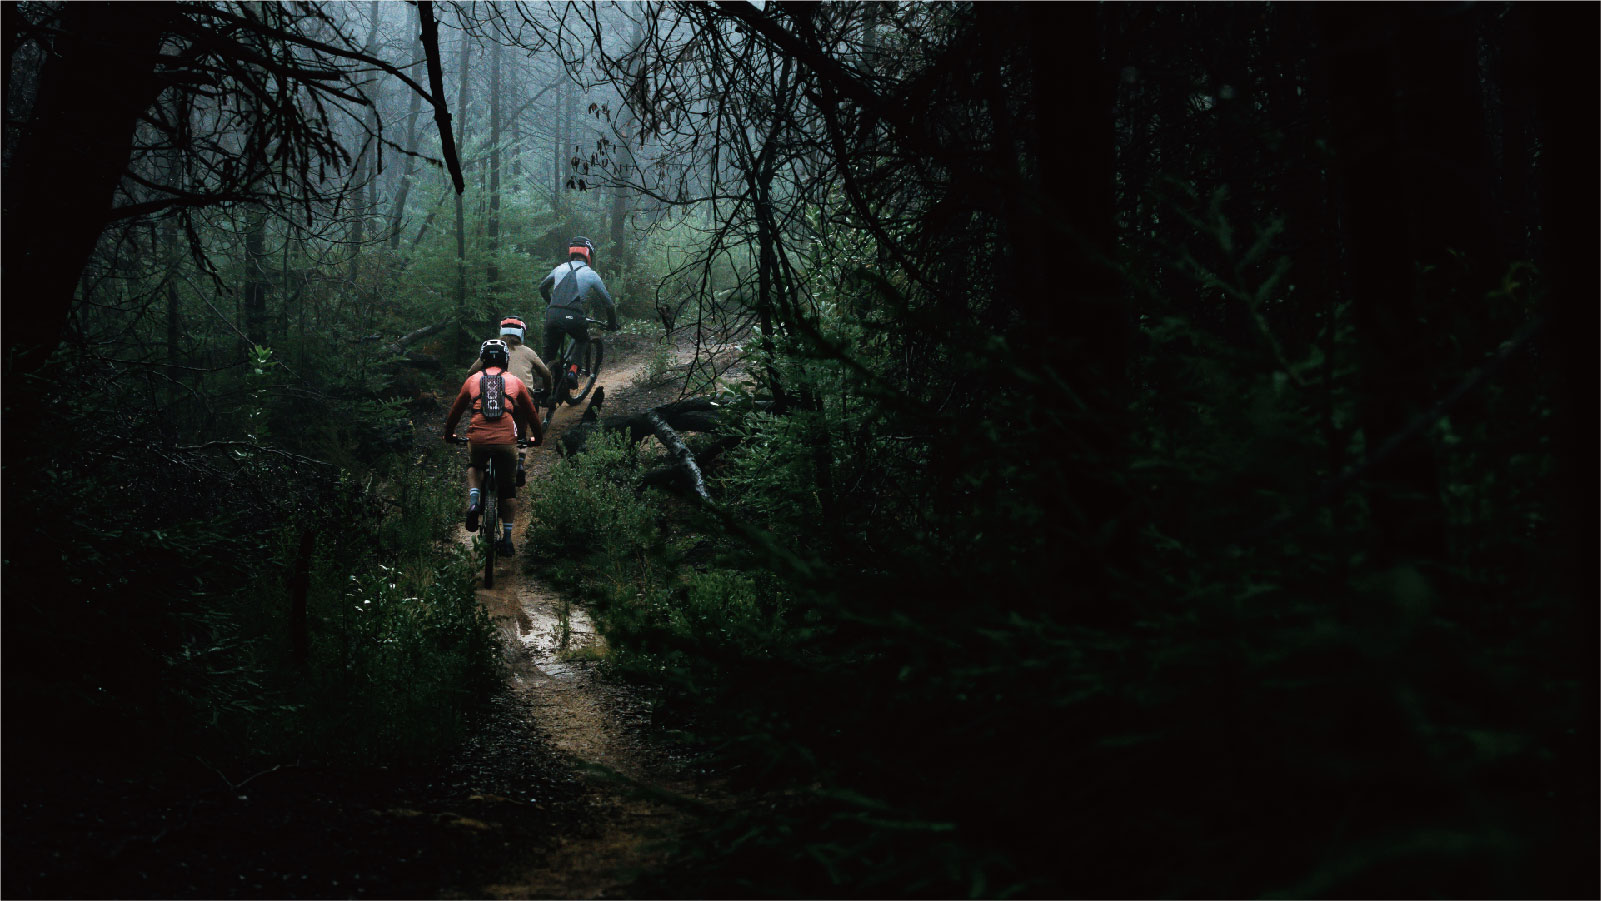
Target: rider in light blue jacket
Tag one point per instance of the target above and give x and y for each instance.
(566, 289)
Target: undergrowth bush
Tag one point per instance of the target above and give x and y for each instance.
(401, 654)
(167, 569)
(665, 619)
(586, 517)
(897, 641)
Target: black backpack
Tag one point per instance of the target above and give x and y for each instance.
(565, 294)
(492, 395)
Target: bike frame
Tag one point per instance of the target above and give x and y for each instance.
(489, 519)
(560, 393)
(489, 529)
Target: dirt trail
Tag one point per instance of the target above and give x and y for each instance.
(598, 726)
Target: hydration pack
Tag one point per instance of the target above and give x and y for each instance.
(492, 395)
(565, 294)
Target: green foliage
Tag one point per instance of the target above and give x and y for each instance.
(913, 644)
(1028, 573)
(403, 655)
(658, 365)
(585, 511)
(168, 565)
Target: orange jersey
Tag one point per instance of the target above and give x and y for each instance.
(519, 402)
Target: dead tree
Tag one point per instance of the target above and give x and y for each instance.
(683, 461)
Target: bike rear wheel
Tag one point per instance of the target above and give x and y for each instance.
(594, 352)
(491, 525)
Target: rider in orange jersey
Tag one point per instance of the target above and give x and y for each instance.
(493, 434)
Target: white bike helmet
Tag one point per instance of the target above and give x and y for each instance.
(495, 352)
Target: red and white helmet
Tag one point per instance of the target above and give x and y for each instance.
(581, 246)
(515, 327)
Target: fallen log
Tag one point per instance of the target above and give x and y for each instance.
(682, 458)
(400, 344)
(668, 476)
(692, 414)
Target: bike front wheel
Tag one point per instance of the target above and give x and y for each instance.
(491, 525)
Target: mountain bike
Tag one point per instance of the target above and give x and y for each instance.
(489, 519)
(588, 370)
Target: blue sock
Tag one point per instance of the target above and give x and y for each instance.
(472, 496)
(506, 530)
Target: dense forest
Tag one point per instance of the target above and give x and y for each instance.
(1128, 449)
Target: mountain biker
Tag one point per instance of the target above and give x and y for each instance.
(525, 363)
(566, 289)
(486, 436)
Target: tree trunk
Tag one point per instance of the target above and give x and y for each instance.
(428, 29)
(413, 137)
(255, 294)
(620, 207)
(299, 590)
(169, 253)
(569, 150)
(682, 458)
(624, 171)
(1067, 216)
(557, 176)
(364, 159)
(619, 217)
(97, 81)
(463, 332)
(1391, 96)
(492, 271)
(871, 14)
(400, 344)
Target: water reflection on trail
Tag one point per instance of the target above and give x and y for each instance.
(551, 644)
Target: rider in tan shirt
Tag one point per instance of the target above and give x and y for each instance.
(525, 363)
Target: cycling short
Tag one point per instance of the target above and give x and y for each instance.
(505, 465)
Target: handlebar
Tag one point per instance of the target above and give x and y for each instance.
(522, 443)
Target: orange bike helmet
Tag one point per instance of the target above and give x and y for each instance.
(580, 245)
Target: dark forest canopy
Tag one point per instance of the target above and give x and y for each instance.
(1162, 462)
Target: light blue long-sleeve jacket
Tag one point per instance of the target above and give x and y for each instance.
(588, 287)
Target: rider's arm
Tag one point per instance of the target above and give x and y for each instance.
(539, 367)
(464, 399)
(545, 286)
(599, 290)
(528, 417)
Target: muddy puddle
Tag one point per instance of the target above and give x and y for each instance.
(551, 637)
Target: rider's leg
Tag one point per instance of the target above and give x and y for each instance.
(474, 482)
(580, 346)
(559, 322)
(553, 332)
(508, 514)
